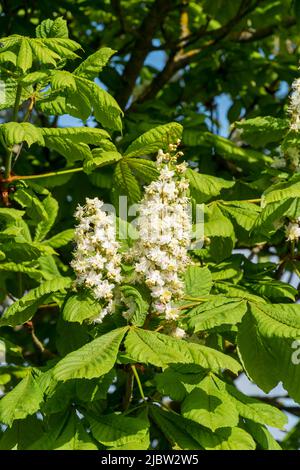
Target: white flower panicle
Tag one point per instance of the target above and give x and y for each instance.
(293, 230)
(96, 262)
(164, 228)
(294, 107)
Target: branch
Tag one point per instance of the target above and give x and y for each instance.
(178, 59)
(142, 47)
(255, 35)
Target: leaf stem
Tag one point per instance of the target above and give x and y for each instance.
(17, 102)
(44, 175)
(136, 375)
(10, 153)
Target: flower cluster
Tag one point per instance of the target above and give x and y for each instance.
(293, 230)
(294, 107)
(96, 259)
(164, 228)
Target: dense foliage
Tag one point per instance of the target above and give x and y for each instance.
(135, 78)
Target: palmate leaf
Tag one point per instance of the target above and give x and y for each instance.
(260, 131)
(220, 232)
(21, 434)
(205, 187)
(52, 28)
(72, 142)
(262, 436)
(42, 50)
(61, 239)
(153, 140)
(43, 227)
(24, 59)
(187, 435)
(16, 133)
(79, 97)
(118, 432)
(140, 305)
(80, 307)
(23, 400)
(210, 405)
(248, 159)
(23, 309)
(161, 350)
(144, 170)
(101, 158)
(178, 380)
(284, 190)
(93, 359)
(125, 184)
(216, 313)
(66, 432)
(253, 409)
(92, 66)
(198, 281)
(266, 342)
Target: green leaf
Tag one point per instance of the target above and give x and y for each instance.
(52, 28)
(161, 350)
(198, 281)
(181, 433)
(118, 432)
(16, 133)
(260, 131)
(100, 158)
(205, 187)
(106, 109)
(188, 435)
(24, 60)
(284, 190)
(266, 341)
(61, 239)
(92, 66)
(145, 170)
(276, 291)
(23, 309)
(220, 232)
(21, 434)
(215, 313)
(210, 406)
(29, 200)
(125, 184)
(256, 410)
(242, 214)
(138, 307)
(23, 400)
(51, 208)
(65, 433)
(80, 307)
(153, 140)
(262, 436)
(246, 158)
(93, 359)
(60, 79)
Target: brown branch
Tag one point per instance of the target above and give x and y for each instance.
(255, 35)
(178, 59)
(142, 47)
(38, 344)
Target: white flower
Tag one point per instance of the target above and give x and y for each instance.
(293, 231)
(294, 107)
(164, 227)
(178, 333)
(97, 262)
(278, 163)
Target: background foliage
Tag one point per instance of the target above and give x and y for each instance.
(148, 69)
